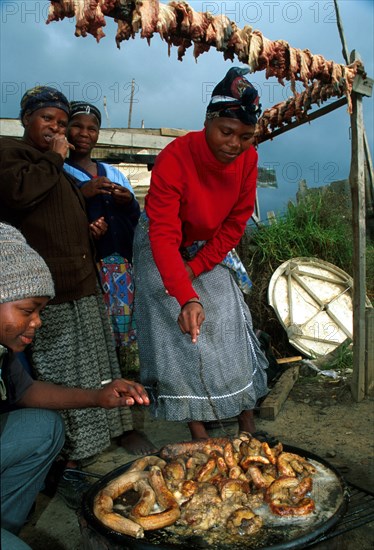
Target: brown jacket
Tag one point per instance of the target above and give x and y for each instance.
(41, 200)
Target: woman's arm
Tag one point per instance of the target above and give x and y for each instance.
(165, 233)
(118, 393)
(27, 176)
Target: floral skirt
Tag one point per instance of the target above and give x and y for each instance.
(118, 285)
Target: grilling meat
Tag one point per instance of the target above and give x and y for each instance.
(212, 484)
(286, 496)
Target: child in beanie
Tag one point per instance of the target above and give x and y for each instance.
(30, 440)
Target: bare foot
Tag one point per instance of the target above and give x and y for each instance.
(246, 422)
(198, 430)
(136, 443)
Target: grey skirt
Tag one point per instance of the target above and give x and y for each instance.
(220, 376)
(75, 347)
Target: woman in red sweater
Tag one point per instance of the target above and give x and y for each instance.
(200, 359)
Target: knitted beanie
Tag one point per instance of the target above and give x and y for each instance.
(23, 273)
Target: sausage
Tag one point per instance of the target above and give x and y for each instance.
(257, 477)
(269, 453)
(165, 499)
(145, 462)
(146, 502)
(103, 505)
(187, 448)
(249, 460)
(206, 471)
(304, 507)
(285, 496)
(229, 455)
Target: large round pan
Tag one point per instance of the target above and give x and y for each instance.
(329, 492)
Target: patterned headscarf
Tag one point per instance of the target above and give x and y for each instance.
(235, 97)
(84, 108)
(41, 97)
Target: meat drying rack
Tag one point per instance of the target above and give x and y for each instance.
(360, 511)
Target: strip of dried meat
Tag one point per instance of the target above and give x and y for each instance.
(181, 26)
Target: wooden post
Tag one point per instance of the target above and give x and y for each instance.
(131, 102)
(357, 183)
(369, 180)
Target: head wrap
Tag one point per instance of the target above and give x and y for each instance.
(235, 97)
(23, 273)
(84, 108)
(41, 97)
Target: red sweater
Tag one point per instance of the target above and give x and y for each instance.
(195, 197)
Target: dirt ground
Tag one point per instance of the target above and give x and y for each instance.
(319, 415)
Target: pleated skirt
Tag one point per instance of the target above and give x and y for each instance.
(74, 347)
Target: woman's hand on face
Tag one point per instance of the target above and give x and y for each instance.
(98, 228)
(96, 186)
(59, 144)
(120, 194)
(191, 318)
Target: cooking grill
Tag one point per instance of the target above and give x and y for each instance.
(352, 508)
(360, 510)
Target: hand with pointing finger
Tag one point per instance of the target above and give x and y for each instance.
(190, 318)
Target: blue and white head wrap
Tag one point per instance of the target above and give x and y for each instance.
(84, 108)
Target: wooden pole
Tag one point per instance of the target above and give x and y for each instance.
(131, 102)
(361, 182)
(357, 183)
(306, 119)
(341, 33)
(369, 173)
(369, 178)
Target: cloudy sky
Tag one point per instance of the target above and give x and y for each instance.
(170, 93)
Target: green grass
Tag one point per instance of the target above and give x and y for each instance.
(342, 358)
(318, 227)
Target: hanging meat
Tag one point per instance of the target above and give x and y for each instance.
(295, 108)
(181, 26)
